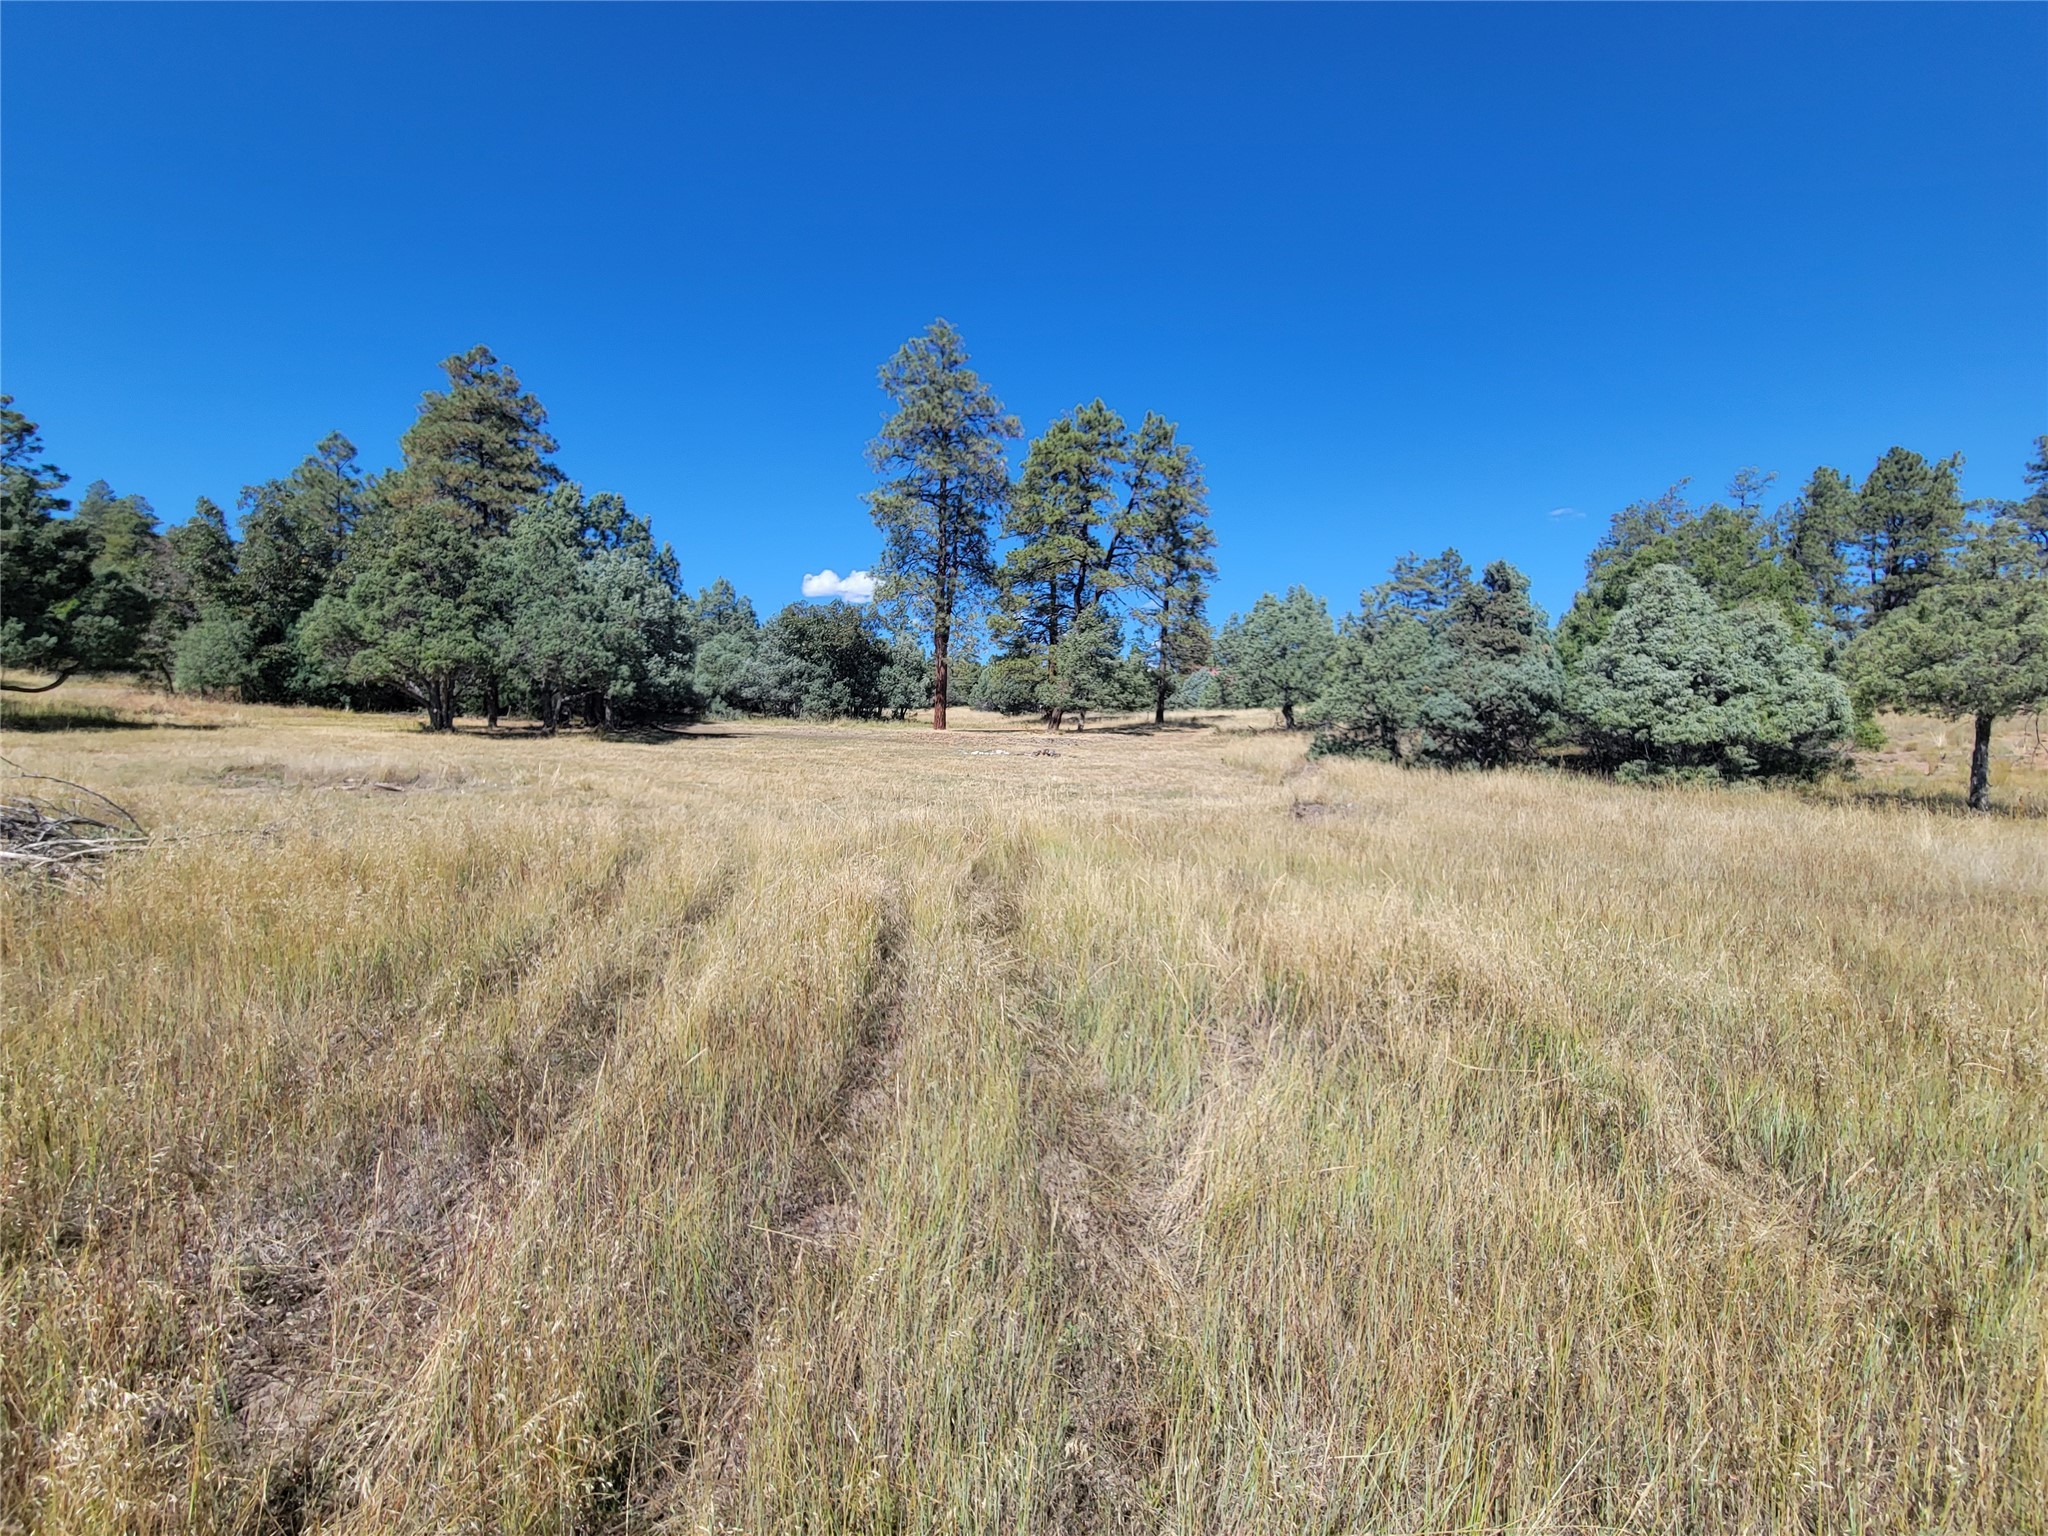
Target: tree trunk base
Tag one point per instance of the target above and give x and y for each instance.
(1980, 766)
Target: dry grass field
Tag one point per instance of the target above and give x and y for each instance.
(804, 1129)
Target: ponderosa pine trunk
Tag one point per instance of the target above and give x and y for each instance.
(491, 703)
(941, 644)
(1159, 701)
(1287, 714)
(1980, 766)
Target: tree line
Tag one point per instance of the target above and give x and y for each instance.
(1718, 640)
(474, 577)
(1709, 642)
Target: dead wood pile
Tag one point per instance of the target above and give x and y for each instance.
(55, 828)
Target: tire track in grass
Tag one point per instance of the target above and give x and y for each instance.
(813, 1212)
(397, 1231)
(1106, 1204)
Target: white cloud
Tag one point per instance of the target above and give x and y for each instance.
(854, 586)
(1566, 512)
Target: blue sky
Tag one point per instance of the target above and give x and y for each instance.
(1406, 276)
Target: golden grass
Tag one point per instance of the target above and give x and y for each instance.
(789, 1128)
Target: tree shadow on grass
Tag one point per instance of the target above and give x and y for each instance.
(636, 735)
(88, 717)
(1153, 728)
(1942, 803)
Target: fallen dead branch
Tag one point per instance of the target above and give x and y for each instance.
(53, 827)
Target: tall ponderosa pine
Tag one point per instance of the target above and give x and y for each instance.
(421, 608)
(942, 451)
(1416, 588)
(1166, 518)
(1072, 552)
(477, 454)
(1901, 531)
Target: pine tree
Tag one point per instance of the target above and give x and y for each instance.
(1166, 519)
(1278, 655)
(61, 612)
(1816, 524)
(1073, 552)
(195, 585)
(203, 551)
(478, 452)
(476, 456)
(942, 451)
(1679, 684)
(1732, 551)
(1500, 683)
(422, 609)
(1417, 588)
(1905, 524)
(2033, 512)
(295, 531)
(122, 530)
(413, 614)
(1974, 644)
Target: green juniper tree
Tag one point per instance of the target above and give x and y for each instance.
(942, 451)
(1381, 673)
(210, 646)
(907, 678)
(586, 612)
(1681, 685)
(1974, 644)
(1086, 672)
(1278, 655)
(724, 635)
(821, 661)
(1499, 683)
(203, 552)
(1388, 656)
(413, 614)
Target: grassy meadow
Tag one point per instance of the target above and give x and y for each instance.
(787, 1128)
